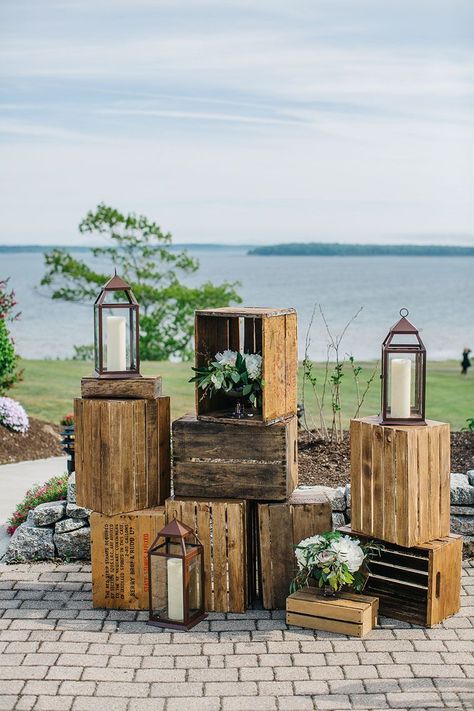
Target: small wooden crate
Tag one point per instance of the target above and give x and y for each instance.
(146, 388)
(421, 585)
(281, 528)
(221, 527)
(119, 556)
(122, 450)
(351, 614)
(270, 332)
(217, 459)
(400, 479)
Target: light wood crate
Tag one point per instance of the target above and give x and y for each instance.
(400, 481)
(122, 452)
(348, 613)
(119, 556)
(221, 526)
(217, 459)
(270, 332)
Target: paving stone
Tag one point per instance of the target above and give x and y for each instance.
(295, 703)
(259, 703)
(88, 703)
(197, 704)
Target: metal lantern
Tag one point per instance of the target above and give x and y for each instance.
(116, 331)
(176, 574)
(403, 375)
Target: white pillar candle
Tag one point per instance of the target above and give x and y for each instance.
(175, 589)
(116, 343)
(400, 388)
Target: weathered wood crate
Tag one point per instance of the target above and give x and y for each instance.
(281, 527)
(218, 459)
(400, 479)
(122, 449)
(147, 388)
(351, 614)
(420, 585)
(221, 527)
(119, 556)
(270, 332)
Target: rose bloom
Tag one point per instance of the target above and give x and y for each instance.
(348, 551)
(326, 557)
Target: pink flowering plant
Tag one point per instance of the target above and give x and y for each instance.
(13, 415)
(53, 490)
(67, 420)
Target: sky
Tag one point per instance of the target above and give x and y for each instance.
(239, 121)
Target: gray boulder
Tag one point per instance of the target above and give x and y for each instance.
(468, 547)
(348, 515)
(462, 510)
(30, 543)
(348, 496)
(74, 511)
(74, 545)
(48, 513)
(337, 497)
(338, 520)
(470, 476)
(70, 524)
(462, 493)
(71, 488)
(463, 525)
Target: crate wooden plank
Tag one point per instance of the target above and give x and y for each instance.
(349, 614)
(274, 368)
(281, 527)
(119, 556)
(291, 357)
(122, 453)
(400, 481)
(220, 460)
(444, 587)
(147, 388)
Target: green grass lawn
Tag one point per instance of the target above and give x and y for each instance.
(50, 385)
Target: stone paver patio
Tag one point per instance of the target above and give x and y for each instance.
(57, 653)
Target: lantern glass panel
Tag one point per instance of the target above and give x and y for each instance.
(119, 328)
(195, 585)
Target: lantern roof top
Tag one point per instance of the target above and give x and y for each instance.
(175, 528)
(116, 283)
(404, 325)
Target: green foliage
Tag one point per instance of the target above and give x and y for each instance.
(470, 425)
(141, 253)
(84, 353)
(232, 373)
(9, 372)
(54, 489)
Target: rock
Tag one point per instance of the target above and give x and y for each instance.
(463, 525)
(69, 524)
(462, 510)
(468, 547)
(338, 520)
(30, 543)
(74, 511)
(74, 545)
(29, 518)
(71, 488)
(470, 476)
(347, 514)
(348, 496)
(50, 512)
(337, 497)
(462, 493)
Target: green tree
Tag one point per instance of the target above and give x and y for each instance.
(141, 253)
(9, 372)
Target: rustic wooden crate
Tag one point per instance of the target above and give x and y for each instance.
(119, 556)
(351, 614)
(421, 585)
(270, 332)
(218, 459)
(400, 479)
(221, 527)
(122, 450)
(146, 388)
(281, 527)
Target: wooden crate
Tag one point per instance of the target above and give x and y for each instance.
(281, 528)
(400, 479)
(351, 614)
(119, 556)
(421, 585)
(221, 527)
(146, 388)
(122, 450)
(218, 459)
(270, 332)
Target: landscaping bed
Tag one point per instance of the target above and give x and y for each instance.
(40, 442)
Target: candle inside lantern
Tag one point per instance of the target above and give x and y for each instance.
(116, 343)
(400, 388)
(175, 589)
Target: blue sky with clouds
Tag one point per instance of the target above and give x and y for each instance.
(239, 121)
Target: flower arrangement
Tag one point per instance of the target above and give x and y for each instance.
(67, 420)
(234, 373)
(13, 415)
(333, 561)
(53, 490)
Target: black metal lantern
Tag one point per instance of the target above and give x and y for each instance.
(403, 375)
(176, 574)
(116, 331)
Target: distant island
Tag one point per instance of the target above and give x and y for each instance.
(193, 246)
(336, 249)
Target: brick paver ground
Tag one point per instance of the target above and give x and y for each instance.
(58, 654)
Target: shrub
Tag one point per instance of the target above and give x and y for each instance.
(13, 415)
(9, 373)
(67, 420)
(53, 490)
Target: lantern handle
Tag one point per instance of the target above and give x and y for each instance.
(404, 315)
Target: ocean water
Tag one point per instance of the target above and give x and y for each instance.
(438, 291)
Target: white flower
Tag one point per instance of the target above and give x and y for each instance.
(226, 358)
(301, 553)
(253, 363)
(325, 557)
(348, 551)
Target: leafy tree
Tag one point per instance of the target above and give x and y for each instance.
(141, 253)
(9, 371)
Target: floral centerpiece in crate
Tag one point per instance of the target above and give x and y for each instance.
(332, 561)
(236, 375)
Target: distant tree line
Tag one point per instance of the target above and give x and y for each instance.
(336, 249)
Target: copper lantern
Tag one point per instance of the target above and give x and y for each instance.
(116, 331)
(403, 375)
(176, 574)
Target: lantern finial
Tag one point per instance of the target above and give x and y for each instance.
(403, 315)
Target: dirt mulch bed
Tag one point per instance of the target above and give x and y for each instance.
(329, 463)
(40, 442)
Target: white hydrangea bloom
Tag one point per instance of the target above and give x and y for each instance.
(226, 358)
(300, 552)
(349, 552)
(253, 363)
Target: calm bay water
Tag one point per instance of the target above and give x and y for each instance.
(438, 291)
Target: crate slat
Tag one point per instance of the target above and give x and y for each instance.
(349, 614)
